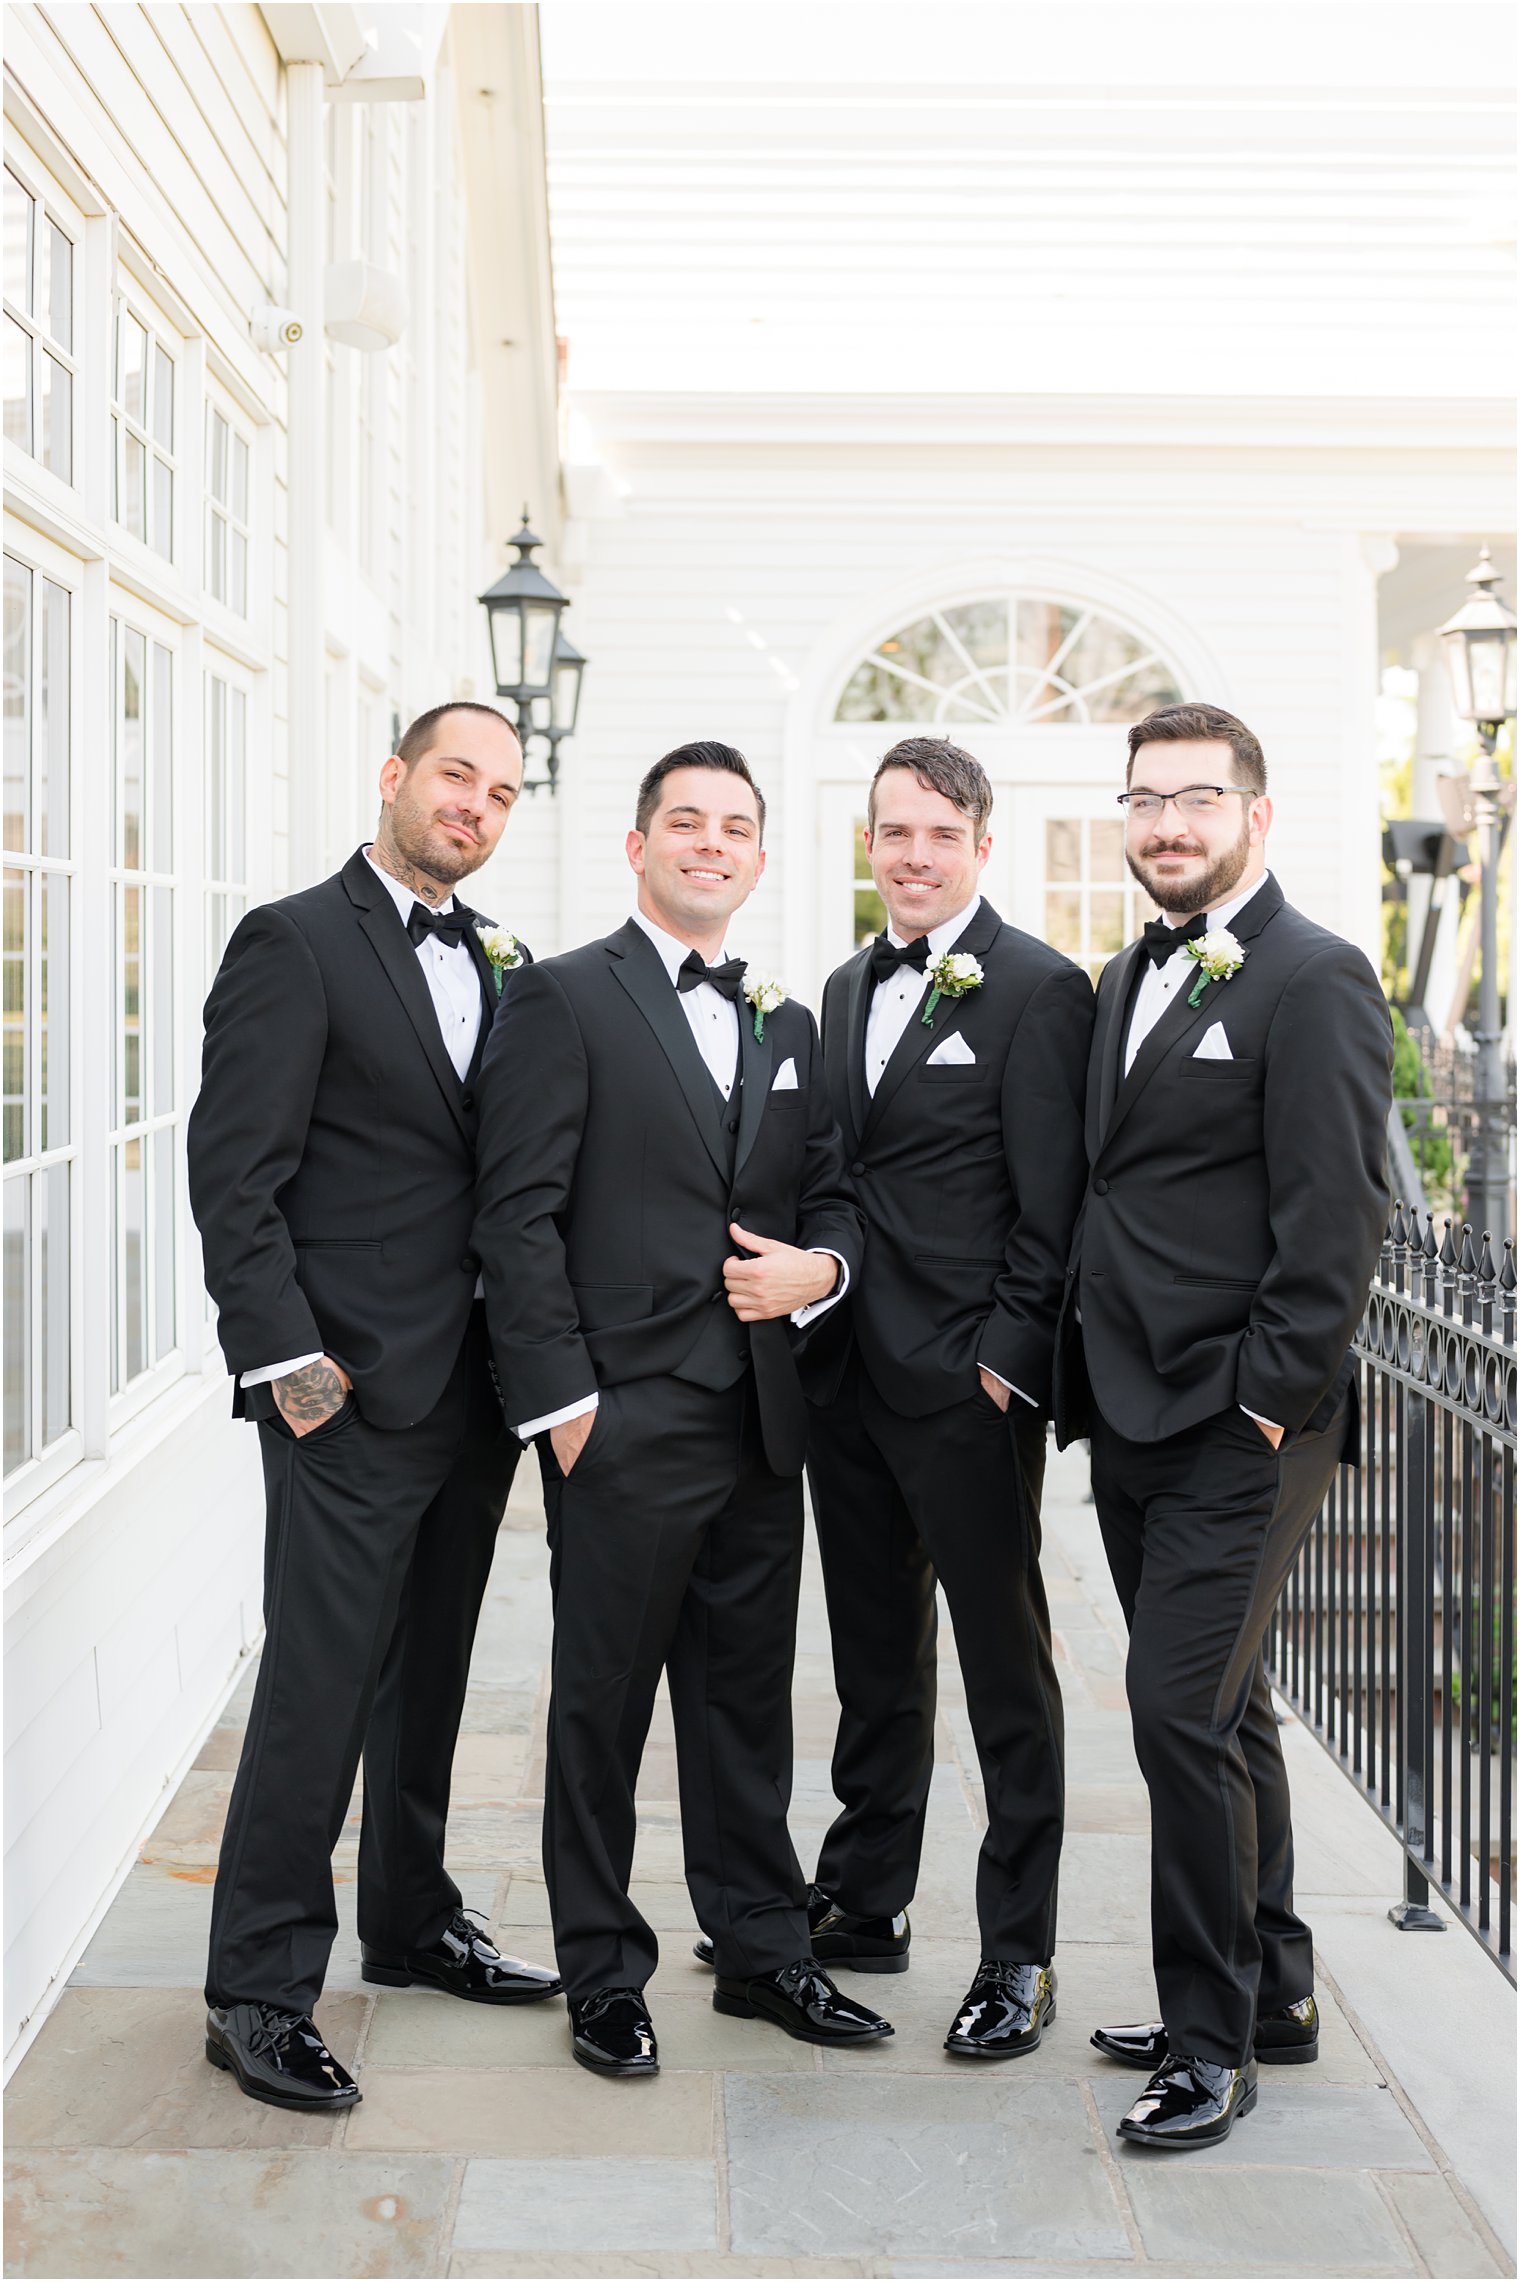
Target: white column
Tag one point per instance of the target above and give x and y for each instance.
(1434, 726)
(306, 473)
(1368, 558)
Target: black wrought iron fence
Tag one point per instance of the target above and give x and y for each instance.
(1394, 1639)
(1451, 1130)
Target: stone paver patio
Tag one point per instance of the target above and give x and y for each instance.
(479, 2149)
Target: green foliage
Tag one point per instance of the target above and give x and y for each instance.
(1429, 1146)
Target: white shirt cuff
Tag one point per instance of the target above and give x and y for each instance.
(1008, 1383)
(1256, 1414)
(817, 1307)
(532, 1426)
(269, 1371)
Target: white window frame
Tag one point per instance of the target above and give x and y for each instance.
(221, 513)
(50, 1461)
(130, 302)
(49, 202)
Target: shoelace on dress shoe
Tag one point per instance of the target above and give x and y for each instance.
(271, 2026)
(601, 2001)
(805, 1978)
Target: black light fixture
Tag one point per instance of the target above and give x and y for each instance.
(1480, 652)
(537, 669)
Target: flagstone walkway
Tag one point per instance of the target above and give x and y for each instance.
(480, 2150)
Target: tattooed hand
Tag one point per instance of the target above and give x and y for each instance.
(309, 1397)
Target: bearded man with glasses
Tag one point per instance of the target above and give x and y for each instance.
(1237, 1107)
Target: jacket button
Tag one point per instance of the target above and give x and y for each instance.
(715, 1299)
(858, 1167)
(470, 1264)
(467, 1099)
(743, 1354)
(733, 1125)
(1100, 1188)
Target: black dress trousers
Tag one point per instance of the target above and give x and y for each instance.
(1201, 1530)
(377, 1550)
(899, 1502)
(672, 1547)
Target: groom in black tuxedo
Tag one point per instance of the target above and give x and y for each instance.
(661, 1188)
(1236, 1200)
(962, 1117)
(332, 1176)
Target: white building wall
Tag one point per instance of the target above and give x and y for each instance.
(157, 137)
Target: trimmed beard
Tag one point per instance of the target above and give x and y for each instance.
(445, 862)
(1200, 895)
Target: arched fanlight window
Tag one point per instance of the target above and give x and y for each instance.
(1010, 658)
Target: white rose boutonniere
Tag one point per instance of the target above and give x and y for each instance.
(764, 994)
(1218, 955)
(503, 950)
(952, 975)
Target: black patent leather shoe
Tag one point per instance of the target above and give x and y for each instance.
(611, 2032)
(804, 2001)
(1004, 2012)
(278, 2057)
(1190, 2103)
(845, 1943)
(1285, 2039)
(466, 1962)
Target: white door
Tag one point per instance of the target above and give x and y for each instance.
(1071, 885)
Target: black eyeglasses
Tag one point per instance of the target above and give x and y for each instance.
(1193, 800)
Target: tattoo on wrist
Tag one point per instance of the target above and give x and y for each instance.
(308, 1396)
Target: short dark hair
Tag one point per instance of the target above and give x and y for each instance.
(420, 737)
(939, 767)
(1177, 724)
(706, 753)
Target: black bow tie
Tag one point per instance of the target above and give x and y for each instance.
(1161, 942)
(728, 978)
(448, 926)
(886, 958)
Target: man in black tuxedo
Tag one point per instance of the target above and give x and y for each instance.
(332, 1176)
(962, 1117)
(661, 1188)
(1236, 1200)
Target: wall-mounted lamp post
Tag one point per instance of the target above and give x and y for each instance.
(537, 668)
(1480, 653)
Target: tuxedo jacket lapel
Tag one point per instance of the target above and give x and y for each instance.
(1180, 1017)
(920, 1037)
(857, 1009)
(1108, 1044)
(393, 947)
(755, 1063)
(639, 969)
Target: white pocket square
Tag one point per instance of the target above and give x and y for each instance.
(1213, 1046)
(785, 1080)
(952, 1049)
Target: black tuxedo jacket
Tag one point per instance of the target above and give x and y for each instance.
(970, 1175)
(1234, 1209)
(332, 1148)
(605, 1189)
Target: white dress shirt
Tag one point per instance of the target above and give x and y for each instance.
(714, 1022)
(1160, 985)
(893, 1003)
(453, 981)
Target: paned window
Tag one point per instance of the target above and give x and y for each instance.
(39, 331)
(226, 860)
(144, 1136)
(1093, 905)
(142, 431)
(226, 512)
(870, 912)
(1010, 658)
(39, 1151)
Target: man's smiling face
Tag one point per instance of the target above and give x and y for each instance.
(925, 856)
(701, 856)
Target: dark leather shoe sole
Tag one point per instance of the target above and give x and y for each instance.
(219, 2057)
(409, 1976)
(794, 2022)
(966, 2048)
(1207, 2138)
(1265, 2055)
(614, 2067)
(702, 1951)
